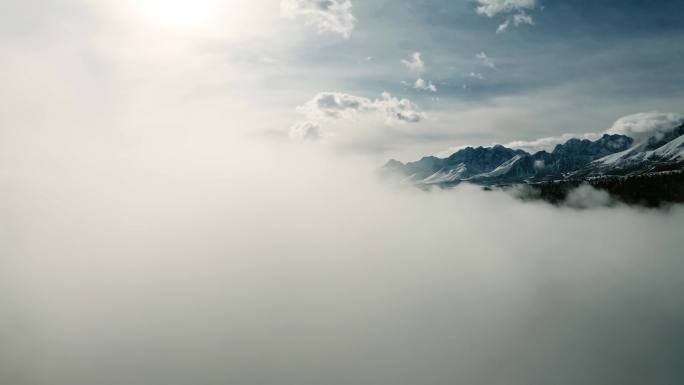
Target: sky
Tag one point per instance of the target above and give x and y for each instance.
(457, 72)
(189, 194)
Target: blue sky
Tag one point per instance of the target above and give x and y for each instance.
(578, 68)
(490, 71)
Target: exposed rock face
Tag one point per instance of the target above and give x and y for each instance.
(576, 158)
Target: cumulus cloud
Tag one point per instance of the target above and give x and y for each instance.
(334, 105)
(485, 60)
(424, 85)
(333, 16)
(414, 62)
(515, 11)
(646, 124)
(328, 106)
(338, 105)
(397, 110)
(305, 131)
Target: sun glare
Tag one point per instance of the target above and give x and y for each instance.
(179, 14)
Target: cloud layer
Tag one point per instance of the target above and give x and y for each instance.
(288, 265)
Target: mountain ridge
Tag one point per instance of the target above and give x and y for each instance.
(576, 160)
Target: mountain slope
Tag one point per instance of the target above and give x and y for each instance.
(576, 159)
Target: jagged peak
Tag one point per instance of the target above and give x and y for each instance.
(393, 163)
(572, 159)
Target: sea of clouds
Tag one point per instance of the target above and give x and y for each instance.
(265, 263)
(151, 234)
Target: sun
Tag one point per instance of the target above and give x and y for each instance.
(178, 14)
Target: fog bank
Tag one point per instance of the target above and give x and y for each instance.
(258, 264)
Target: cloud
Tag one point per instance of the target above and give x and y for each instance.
(334, 105)
(305, 131)
(588, 197)
(334, 16)
(476, 75)
(295, 266)
(485, 60)
(491, 8)
(424, 85)
(638, 126)
(338, 105)
(513, 10)
(646, 124)
(397, 110)
(516, 20)
(415, 62)
(329, 106)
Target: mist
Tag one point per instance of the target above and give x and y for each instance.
(158, 226)
(272, 263)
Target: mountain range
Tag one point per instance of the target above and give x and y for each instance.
(574, 162)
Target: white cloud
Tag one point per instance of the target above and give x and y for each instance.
(491, 8)
(639, 127)
(424, 85)
(305, 254)
(397, 110)
(305, 131)
(476, 75)
(485, 60)
(334, 105)
(588, 197)
(516, 20)
(646, 124)
(338, 105)
(326, 106)
(514, 10)
(333, 16)
(415, 62)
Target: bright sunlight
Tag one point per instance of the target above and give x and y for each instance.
(179, 14)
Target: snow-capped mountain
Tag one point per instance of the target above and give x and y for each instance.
(610, 155)
(462, 165)
(657, 151)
